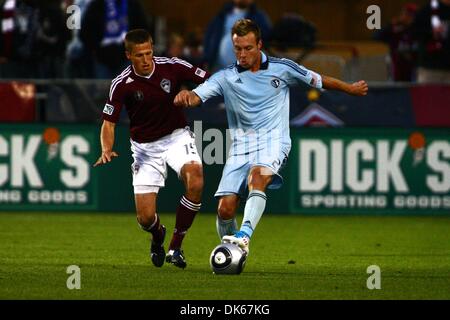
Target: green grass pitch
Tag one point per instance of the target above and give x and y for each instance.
(291, 257)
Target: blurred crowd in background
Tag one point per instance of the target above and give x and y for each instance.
(35, 41)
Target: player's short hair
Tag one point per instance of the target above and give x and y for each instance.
(136, 36)
(242, 27)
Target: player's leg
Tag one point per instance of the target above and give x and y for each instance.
(258, 180)
(192, 176)
(149, 171)
(146, 209)
(230, 190)
(190, 204)
(182, 156)
(226, 223)
(263, 174)
(149, 221)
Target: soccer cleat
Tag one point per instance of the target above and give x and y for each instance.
(240, 239)
(176, 257)
(157, 252)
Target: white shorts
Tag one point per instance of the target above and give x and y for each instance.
(151, 159)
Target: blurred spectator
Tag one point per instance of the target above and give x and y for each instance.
(218, 48)
(52, 37)
(19, 25)
(33, 39)
(194, 48)
(103, 29)
(78, 59)
(432, 28)
(402, 43)
(189, 50)
(175, 46)
(293, 30)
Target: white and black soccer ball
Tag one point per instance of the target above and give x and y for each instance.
(227, 258)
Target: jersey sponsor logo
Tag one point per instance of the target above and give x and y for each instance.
(165, 85)
(275, 83)
(138, 95)
(108, 109)
(201, 73)
(129, 80)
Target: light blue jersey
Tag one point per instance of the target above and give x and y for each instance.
(258, 101)
(257, 106)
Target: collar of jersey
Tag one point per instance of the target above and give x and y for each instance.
(145, 77)
(264, 64)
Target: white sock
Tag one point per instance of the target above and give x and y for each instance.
(254, 209)
(225, 227)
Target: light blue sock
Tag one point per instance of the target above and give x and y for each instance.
(226, 227)
(254, 209)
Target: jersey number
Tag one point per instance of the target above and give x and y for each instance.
(191, 147)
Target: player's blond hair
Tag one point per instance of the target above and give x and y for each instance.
(242, 27)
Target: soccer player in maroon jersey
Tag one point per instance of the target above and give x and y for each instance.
(159, 137)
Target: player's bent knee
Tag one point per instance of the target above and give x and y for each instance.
(225, 213)
(226, 210)
(196, 184)
(145, 219)
(194, 178)
(145, 208)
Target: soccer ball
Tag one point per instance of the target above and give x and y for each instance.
(227, 258)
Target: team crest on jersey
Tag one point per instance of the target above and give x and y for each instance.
(165, 85)
(275, 83)
(138, 95)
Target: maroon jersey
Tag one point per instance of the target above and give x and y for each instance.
(149, 100)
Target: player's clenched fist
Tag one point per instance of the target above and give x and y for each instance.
(106, 157)
(359, 88)
(182, 99)
(186, 98)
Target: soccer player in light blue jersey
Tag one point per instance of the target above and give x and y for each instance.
(256, 95)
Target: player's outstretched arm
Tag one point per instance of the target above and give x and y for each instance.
(359, 88)
(187, 98)
(107, 142)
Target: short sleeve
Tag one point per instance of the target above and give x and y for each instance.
(297, 74)
(114, 103)
(212, 87)
(188, 72)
